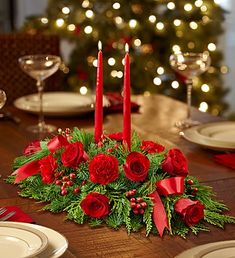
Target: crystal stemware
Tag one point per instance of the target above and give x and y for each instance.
(3, 98)
(40, 67)
(189, 65)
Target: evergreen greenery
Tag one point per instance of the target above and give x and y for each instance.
(120, 212)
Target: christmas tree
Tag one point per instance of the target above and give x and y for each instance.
(154, 29)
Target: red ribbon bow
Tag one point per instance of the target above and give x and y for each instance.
(168, 186)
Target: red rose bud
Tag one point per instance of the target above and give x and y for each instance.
(138, 206)
(103, 169)
(58, 182)
(139, 199)
(175, 163)
(136, 166)
(132, 199)
(116, 136)
(141, 211)
(48, 166)
(191, 211)
(72, 175)
(95, 205)
(151, 147)
(76, 190)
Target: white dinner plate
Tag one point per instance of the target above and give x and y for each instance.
(222, 249)
(57, 243)
(18, 240)
(58, 103)
(216, 136)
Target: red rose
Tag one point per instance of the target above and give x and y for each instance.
(103, 169)
(57, 142)
(116, 136)
(95, 205)
(136, 166)
(175, 163)
(191, 211)
(73, 155)
(32, 148)
(151, 147)
(48, 166)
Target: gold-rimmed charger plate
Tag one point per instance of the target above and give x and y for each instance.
(18, 240)
(217, 136)
(221, 249)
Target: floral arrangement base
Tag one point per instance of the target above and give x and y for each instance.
(105, 183)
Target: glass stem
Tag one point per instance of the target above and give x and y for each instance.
(189, 97)
(41, 123)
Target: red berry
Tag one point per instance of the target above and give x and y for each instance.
(132, 199)
(133, 205)
(76, 190)
(138, 206)
(136, 211)
(133, 190)
(190, 182)
(141, 211)
(58, 182)
(65, 178)
(127, 194)
(131, 193)
(83, 182)
(100, 144)
(64, 192)
(116, 146)
(195, 190)
(63, 186)
(139, 199)
(69, 183)
(72, 175)
(143, 204)
(109, 150)
(61, 173)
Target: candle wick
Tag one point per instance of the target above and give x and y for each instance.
(99, 45)
(127, 48)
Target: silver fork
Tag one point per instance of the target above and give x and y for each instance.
(9, 215)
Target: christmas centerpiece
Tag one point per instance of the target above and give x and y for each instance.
(116, 179)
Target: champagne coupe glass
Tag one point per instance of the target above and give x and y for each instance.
(3, 98)
(189, 65)
(40, 67)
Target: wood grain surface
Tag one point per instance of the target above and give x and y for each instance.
(155, 121)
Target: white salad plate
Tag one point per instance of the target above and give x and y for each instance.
(57, 244)
(222, 249)
(216, 136)
(18, 240)
(59, 103)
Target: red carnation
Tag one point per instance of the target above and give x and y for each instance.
(48, 166)
(95, 205)
(103, 169)
(32, 148)
(191, 211)
(151, 147)
(72, 155)
(116, 136)
(175, 163)
(136, 166)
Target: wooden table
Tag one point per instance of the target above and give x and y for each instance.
(154, 121)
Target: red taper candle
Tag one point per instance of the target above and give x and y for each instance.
(99, 96)
(127, 101)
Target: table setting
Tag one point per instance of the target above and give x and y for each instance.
(109, 179)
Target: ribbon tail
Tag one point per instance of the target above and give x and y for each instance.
(159, 213)
(27, 170)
